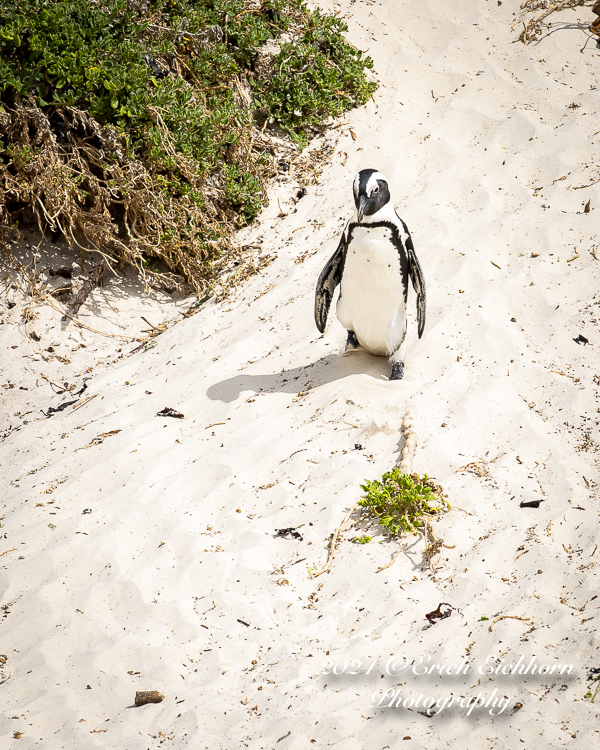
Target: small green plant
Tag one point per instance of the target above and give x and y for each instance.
(594, 685)
(402, 502)
(361, 539)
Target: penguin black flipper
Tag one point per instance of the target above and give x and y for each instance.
(330, 277)
(418, 281)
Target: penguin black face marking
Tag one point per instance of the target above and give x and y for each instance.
(371, 192)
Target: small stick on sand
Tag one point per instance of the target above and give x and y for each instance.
(53, 385)
(533, 29)
(392, 561)
(160, 330)
(507, 617)
(84, 401)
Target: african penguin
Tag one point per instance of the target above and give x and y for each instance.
(372, 264)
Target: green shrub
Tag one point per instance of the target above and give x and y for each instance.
(405, 504)
(402, 503)
(318, 76)
(173, 87)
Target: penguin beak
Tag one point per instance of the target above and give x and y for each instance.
(362, 207)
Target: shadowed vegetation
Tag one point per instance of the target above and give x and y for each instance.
(144, 128)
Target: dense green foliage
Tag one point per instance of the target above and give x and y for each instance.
(401, 502)
(307, 87)
(94, 56)
(177, 79)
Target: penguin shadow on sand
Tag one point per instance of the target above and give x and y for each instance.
(323, 371)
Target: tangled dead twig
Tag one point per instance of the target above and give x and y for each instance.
(532, 31)
(77, 178)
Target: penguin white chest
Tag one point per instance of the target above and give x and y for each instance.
(371, 300)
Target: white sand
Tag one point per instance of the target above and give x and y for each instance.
(147, 591)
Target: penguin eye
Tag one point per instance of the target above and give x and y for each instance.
(376, 189)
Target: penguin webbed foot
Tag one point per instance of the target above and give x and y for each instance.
(397, 371)
(351, 342)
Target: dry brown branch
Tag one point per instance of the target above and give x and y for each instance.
(531, 32)
(78, 179)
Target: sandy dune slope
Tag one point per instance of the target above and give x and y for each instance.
(140, 552)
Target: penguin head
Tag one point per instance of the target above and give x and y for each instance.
(371, 192)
